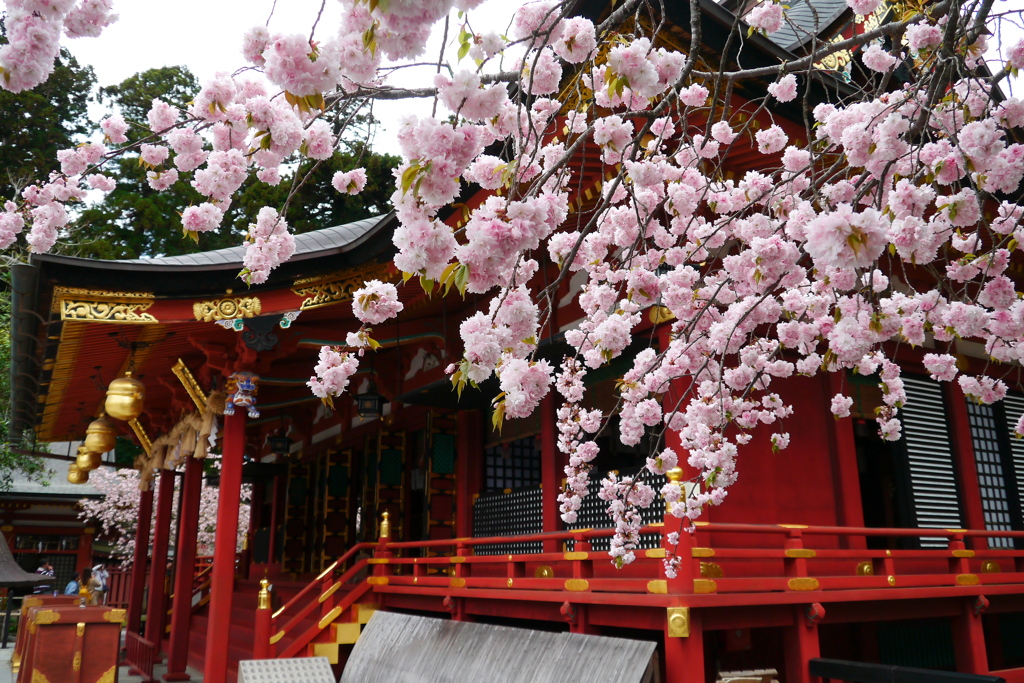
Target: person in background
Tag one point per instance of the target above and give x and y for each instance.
(44, 570)
(89, 588)
(103, 577)
(73, 585)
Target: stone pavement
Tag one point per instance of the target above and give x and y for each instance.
(123, 677)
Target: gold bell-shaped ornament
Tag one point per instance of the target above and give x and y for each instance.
(87, 460)
(124, 398)
(76, 475)
(100, 436)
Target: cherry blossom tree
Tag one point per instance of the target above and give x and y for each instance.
(117, 511)
(887, 217)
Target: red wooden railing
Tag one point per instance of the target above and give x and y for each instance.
(720, 565)
(139, 655)
(119, 587)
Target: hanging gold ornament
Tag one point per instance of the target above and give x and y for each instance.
(76, 475)
(124, 398)
(100, 436)
(87, 460)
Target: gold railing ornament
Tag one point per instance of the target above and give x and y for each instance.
(385, 525)
(124, 398)
(76, 475)
(264, 595)
(100, 437)
(673, 475)
(86, 460)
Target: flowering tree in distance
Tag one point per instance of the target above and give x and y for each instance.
(117, 511)
(888, 218)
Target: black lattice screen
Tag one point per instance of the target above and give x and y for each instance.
(512, 465)
(991, 474)
(508, 514)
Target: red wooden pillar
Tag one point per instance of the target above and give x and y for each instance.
(845, 475)
(139, 559)
(84, 558)
(801, 644)
(684, 654)
(469, 453)
(550, 469)
(156, 606)
(967, 469)
(223, 573)
(185, 550)
(969, 637)
(276, 510)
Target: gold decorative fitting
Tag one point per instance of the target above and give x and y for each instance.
(658, 586)
(702, 552)
(46, 616)
(509, 583)
(125, 397)
(77, 475)
(891, 580)
(792, 526)
(963, 553)
(103, 306)
(192, 387)
(109, 676)
(86, 461)
(661, 314)
(336, 287)
(457, 559)
(967, 580)
(577, 585)
(805, 553)
(678, 622)
(100, 437)
(227, 309)
(276, 637)
(543, 572)
(803, 583)
(76, 663)
(704, 586)
(378, 560)
(80, 629)
(263, 599)
(329, 592)
(674, 474)
(457, 582)
(377, 580)
(140, 434)
(888, 553)
(990, 567)
(329, 617)
(956, 531)
(710, 570)
(385, 525)
(655, 553)
(865, 568)
(576, 555)
(115, 616)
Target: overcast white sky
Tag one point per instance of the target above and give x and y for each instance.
(205, 36)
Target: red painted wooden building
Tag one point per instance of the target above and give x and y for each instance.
(404, 498)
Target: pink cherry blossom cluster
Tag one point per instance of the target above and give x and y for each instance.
(375, 302)
(268, 245)
(333, 372)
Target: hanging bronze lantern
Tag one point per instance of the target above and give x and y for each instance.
(76, 475)
(100, 436)
(87, 460)
(124, 398)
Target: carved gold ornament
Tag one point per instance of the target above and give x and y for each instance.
(46, 616)
(109, 676)
(336, 287)
(115, 616)
(227, 309)
(75, 303)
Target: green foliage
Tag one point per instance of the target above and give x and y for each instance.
(136, 221)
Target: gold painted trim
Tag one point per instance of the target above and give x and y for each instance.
(227, 308)
(457, 582)
(803, 583)
(577, 585)
(377, 580)
(710, 570)
(800, 553)
(46, 616)
(103, 306)
(80, 629)
(678, 620)
(704, 586)
(365, 611)
(116, 616)
(109, 676)
(325, 290)
(576, 555)
(276, 637)
(378, 560)
(656, 553)
(963, 553)
(329, 617)
(76, 663)
(956, 531)
(702, 552)
(329, 592)
(458, 559)
(140, 433)
(325, 572)
(967, 580)
(192, 388)
(658, 586)
(792, 526)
